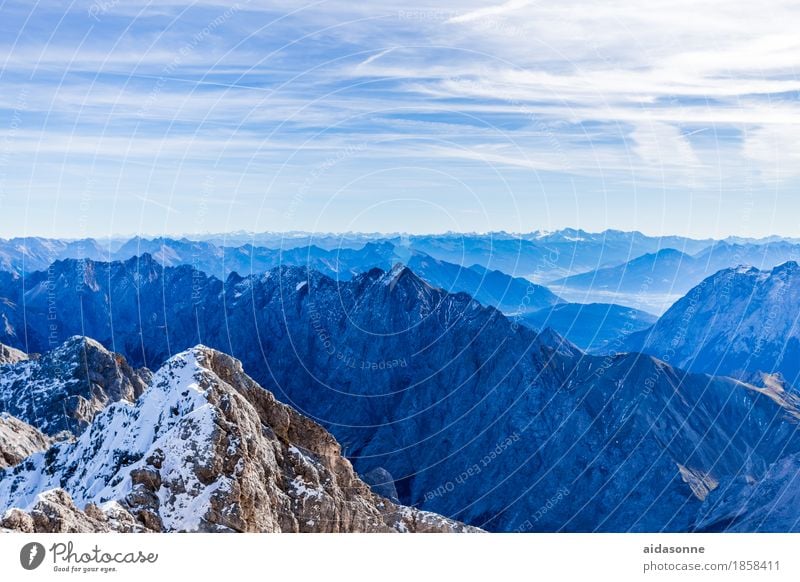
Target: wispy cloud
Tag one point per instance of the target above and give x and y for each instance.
(490, 11)
(699, 96)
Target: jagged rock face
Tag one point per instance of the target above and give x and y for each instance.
(65, 388)
(18, 440)
(142, 309)
(740, 322)
(10, 355)
(205, 448)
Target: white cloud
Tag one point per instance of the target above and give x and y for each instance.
(664, 146)
(490, 11)
(776, 148)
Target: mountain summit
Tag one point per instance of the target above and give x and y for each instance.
(204, 448)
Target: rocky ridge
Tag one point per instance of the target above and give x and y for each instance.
(65, 388)
(204, 448)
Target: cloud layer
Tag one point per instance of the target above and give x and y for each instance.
(516, 115)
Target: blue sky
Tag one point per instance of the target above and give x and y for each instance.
(170, 117)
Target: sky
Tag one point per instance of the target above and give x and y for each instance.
(132, 117)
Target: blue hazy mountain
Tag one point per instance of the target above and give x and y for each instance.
(740, 322)
(21, 255)
(472, 416)
(539, 256)
(533, 258)
(492, 288)
(651, 282)
(593, 327)
(665, 271)
(723, 255)
(655, 280)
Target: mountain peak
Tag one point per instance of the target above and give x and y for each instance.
(65, 388)
(670, 253)
(788, 267)
(79, 342)
(203, 433)
(400, 273)
(738, 322)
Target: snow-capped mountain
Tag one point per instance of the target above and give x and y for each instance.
(204, 448)
(65, 388)
(740, 322)
(24, 255)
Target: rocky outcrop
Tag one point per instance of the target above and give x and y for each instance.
(10, 355)
(204, 448)
(64, 389)
(19, 440)
(55, 512)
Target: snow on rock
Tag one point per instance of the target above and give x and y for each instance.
(204, 448)
(65, 388)
(10, 355)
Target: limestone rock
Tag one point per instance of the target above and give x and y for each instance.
(19, 440)
(204, 448)
(10, 355)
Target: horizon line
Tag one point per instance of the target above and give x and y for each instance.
(290, 234)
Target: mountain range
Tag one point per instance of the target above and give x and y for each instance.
(654, 281)
(593, 327)
(460, 409)
(538, 256)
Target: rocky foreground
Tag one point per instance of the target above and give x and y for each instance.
(204, 448)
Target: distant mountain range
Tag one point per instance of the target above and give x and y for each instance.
(593, 327)
(538, 256)
(462, 410)
(656, 280)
